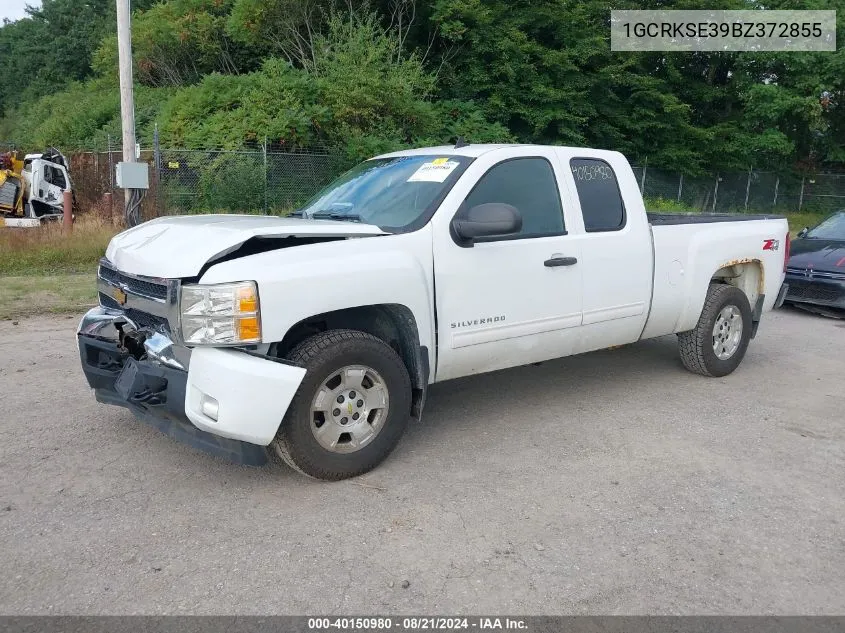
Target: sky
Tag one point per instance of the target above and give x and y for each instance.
(13, 9)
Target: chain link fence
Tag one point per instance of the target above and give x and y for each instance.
(260, 181)
(740, 192)
(94, 186)
(276, 179)
(265, 179)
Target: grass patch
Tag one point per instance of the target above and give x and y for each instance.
(798, 221)
(26, 295)
(45, 250)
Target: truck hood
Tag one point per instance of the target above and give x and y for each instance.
(818, 254)
(180, 246)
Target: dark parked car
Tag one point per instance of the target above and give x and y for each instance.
(816, 268)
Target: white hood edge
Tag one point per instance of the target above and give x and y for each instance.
(179, 246)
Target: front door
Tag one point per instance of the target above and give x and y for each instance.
(516, 299)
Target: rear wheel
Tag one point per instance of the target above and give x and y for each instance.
(717, 344)
(350, 410)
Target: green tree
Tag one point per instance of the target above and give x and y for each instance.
(793, 104)
(52, 46)
(177, 42)
(544, 69)
(359, 96)
(81, 116)
(364, 76)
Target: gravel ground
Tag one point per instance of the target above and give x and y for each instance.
(608, 483)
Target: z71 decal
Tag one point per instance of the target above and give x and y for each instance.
(771, 245)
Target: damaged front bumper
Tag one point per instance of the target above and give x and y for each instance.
(225, 401)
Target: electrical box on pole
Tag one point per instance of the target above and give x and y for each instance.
(133, 176)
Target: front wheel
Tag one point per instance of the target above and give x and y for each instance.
(717, 344)
(350, 410)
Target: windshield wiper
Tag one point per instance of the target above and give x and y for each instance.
(332, 215)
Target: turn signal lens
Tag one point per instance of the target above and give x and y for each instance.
(247, 299)
(249, 329)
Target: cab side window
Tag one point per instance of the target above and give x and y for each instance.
(598, 191)
(529, 185)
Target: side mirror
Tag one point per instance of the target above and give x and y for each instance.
(486, 220)
(803, 232)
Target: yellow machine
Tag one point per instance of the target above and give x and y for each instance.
(32, 188)
(12, 184)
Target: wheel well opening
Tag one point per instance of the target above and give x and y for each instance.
(747, 275)
(392, 323)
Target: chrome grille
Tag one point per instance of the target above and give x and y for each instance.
(805, 273)
(823, 275)
(148, 302)
(145, 320)
(109, 302)
(135, 285)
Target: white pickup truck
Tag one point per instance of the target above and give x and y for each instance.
(314, 338)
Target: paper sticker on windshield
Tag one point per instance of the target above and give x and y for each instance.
(437, 170)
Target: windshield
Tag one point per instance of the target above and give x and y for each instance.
(833, 228)
(395, 194)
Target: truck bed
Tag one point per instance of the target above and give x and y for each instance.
(663, 219)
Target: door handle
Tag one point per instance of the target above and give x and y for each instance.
(560, 261)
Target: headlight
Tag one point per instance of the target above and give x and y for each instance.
(220, 314)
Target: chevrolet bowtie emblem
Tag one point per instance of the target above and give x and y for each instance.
(119, 296)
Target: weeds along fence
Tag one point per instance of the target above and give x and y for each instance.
(275, 179)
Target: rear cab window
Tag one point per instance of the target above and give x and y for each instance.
(598, 192)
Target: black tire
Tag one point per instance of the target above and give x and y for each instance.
(696, 345)
(321, 355)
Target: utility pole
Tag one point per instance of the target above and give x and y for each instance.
(127, 97)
